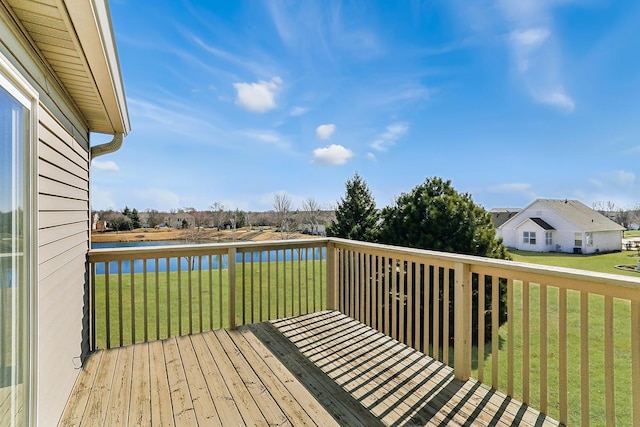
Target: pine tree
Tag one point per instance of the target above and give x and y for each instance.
(356, 214)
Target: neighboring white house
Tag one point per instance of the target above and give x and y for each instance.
(551, 225)
(59, 81)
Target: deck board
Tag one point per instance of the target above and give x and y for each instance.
(318, 369)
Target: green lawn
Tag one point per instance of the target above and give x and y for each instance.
(622, 340)
(628, 234)
(604, 263)
(278, 290)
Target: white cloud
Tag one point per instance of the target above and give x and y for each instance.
(371, 157)
(270, 137)
(105, 166)
(258, 97)
(298, 111)
(530, 38)
(624, 178)
(325, 131)
(515, 187)
(331, 155)
(389, 138)
(557, 99)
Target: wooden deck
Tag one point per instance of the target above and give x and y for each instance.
(319, 369)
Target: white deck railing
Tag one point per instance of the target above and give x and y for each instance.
(570, 347)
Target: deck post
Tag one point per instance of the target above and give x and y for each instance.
(462, 322)
(332, 281)
(231, 261)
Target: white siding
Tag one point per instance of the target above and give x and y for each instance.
(63, 242)
(563, 235)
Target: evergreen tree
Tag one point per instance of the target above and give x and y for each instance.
(356, 214)
(435, 216)
(135, 219)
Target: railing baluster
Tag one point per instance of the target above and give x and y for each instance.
(200, 328)
(584, 359)
(299, 282)
(167, 272)
(157, 284)
(190, 292)
(145, 308)
(562, 352)
(635, 359)
(220, 290)
(482, 283)
(252, 305)
(179, 296)
(400, 278)
(313, 274)
(543, 349)
(132, 302)
(525, 342)
(210, 271)
(269, 284)
(244, 285)
(92, 296)
(410, 303)
(293, 281)
(510, 341)
(107, 305)
(394, 297)
(231, 265)
(277, 284)
(306, 279)
(425, 277)
(609, 376)
(120, 327)
(436, 312)
(261, 317)
(462, 322)
(446, 333)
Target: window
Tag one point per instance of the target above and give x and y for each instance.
(14, 251)
(589, 239)
(548, 240)
(529, 237)
(578, 240)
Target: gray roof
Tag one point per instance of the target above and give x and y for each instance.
(542, 223)
(582, 215)
(501, 215)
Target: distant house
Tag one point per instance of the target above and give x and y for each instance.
(502, 215)
(551, 225)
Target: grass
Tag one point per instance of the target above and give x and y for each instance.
(262, 301)
(168, 304)
(603, 263)
(628, 234)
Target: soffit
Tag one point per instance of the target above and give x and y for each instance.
(73, 39)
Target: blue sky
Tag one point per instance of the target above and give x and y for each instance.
(234, 101)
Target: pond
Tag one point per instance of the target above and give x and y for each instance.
(199, 262)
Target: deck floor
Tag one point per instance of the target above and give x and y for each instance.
(319, 369)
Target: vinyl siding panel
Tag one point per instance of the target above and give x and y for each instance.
(63, 242)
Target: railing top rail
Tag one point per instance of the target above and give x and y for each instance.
(148, 252)
(627, 283)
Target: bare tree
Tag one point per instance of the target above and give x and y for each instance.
(153, 218)
(311, 212)
(218, 214)
(282, 208)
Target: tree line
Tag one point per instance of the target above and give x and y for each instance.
(287, 219)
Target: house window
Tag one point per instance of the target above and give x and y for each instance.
(589, 238)
(14, 251)
(529, 237)
(578, 240)
(548, 240)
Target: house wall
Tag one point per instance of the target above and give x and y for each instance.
(563, 235)
(605, 241)
(61, 218)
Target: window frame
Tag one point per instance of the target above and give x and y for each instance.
(548, 238)
(578, 240)
(14, 82)
(529, 238)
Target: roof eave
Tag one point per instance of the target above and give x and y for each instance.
(92, 23)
